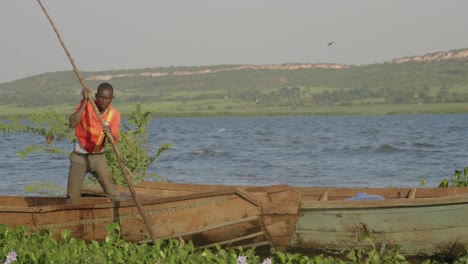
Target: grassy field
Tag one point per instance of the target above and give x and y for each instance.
(228, 108)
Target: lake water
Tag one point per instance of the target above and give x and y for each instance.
(346, 151)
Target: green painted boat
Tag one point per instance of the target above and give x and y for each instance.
(423, 222)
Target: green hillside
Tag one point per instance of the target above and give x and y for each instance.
(424, 87)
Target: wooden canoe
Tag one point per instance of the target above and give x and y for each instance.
(206, 215)
(423, 221)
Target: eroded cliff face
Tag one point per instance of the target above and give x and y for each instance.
(443, 55)
(295, 66)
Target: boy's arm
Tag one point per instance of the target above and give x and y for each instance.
(75, 118)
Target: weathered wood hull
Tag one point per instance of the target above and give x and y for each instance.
(423, 222)
(206, 215)
(278, 208)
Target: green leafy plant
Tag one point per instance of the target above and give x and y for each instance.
(45, 188)
(44, 246)
(422, 181)
(49, 124)
(459, 179)
(363, 233)
(133, 146)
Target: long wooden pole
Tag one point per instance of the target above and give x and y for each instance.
(108, 134)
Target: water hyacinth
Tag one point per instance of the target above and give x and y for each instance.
(11, 257)
(243, 260)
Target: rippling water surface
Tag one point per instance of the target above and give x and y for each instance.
(349, 151)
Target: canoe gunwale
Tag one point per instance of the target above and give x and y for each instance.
(106, 202)
(394, 202)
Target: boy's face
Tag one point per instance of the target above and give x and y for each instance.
(104, 98)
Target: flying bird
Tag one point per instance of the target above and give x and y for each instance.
(330, 43)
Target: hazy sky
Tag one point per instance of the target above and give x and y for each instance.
(125, 34)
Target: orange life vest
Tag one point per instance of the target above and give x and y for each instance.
(89, 131)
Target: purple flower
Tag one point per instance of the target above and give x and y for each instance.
(242, 260)
(266, 261)
(11, 257)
